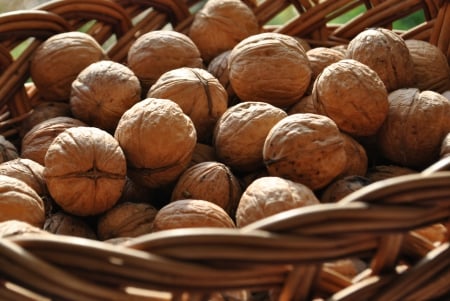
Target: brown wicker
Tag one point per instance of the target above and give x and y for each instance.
(283, 254)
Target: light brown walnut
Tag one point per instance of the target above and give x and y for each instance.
(240, 133)
(353, 95)
(267, 196)
(415, 127)
(85, 170)
(269, 67)
(62, 223)
(305, 148)
(158, 140)
(191, 213)
(8, 151)
(59, 60)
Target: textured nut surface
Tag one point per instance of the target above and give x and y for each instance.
(8, 151)
(267, 196)
(304, 105)
(85, 170)
(342, 187)
(220, 25)
(381, 172)
(269, 67)
(61, 223)
(102, 92)
(203, 153)
(158, 140)
(18, 201)
(357, 160)
(386, 53)
(416, 124)
(36, 141)
(240, 133)
(321, 57)
(126, 220)
(59, 59)
(10, 228)
(431, 69)
(305, 148)
(191, 214)
(199, 94)
(42, 112)
(159, 51)
(29, 171)
(209, 181)
(218, 67)
(353, 95)
(445, 146)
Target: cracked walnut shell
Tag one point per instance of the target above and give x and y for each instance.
(85, 170)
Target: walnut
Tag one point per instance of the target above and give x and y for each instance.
(382, 172)
(158, 140)
(416, 124)
(269, 67)
(191, 213)
(36, 141)
(220, 25)
(218, 67)
(431, 69)
(85, 170)
(199, 94)
(135, 193)
(159, 51)
(386, 53)
(305, 148)
(321, 57)
(202, 153)
(62, 223)
(353, 96)
(209, 181)
(102, 92)
(42, 112)
(8, 151)
(267, 196)
(240, 133)
(18, 201)
(342, 187)
(59, 59)
(357, 160)
(126, 220)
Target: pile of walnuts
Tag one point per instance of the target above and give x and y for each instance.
(220, 127)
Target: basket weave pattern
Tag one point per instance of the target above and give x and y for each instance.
(284, 254)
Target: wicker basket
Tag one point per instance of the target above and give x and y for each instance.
(282, 257)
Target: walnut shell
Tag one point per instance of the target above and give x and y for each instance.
(305, 148)
(269, 67)
(191, 214)
(8, 151)
(382, 172)
(218, 67)
(58, 60)
(240, 133)
(321, 57)
(220, 25)
(342, 187)
(357, 160)
(102, 92)
(158, 51)
(203, 153)
(42, 112)
(431, 69)
(416, 124)
(353, 96)
(158, 140)
(85, 170)
(209, 181)
(135, 193)
(12, 227)
(267, 196)
(126, 220)
(36, 141)
(18, 201)
(445, 147)
(29, 171)
(61, 223)
(199, 94)
(304, 105)
(386, 53)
